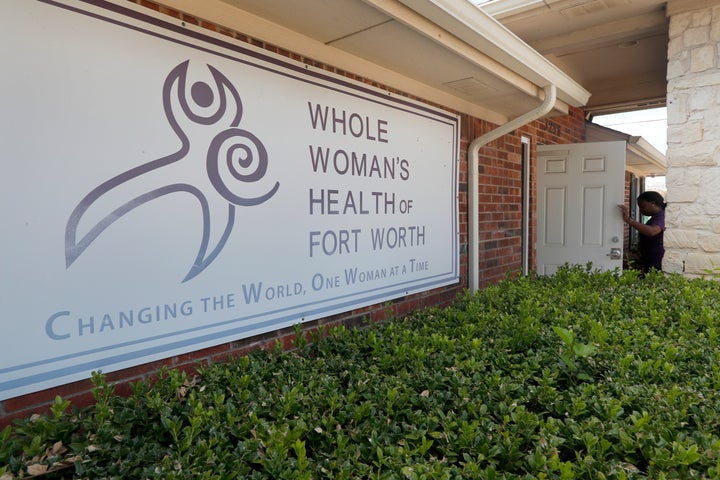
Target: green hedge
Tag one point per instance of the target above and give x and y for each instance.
(582, 375)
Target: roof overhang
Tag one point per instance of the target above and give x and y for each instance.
(641, 158)
(644, 160)
(444, 51)
(482, 32)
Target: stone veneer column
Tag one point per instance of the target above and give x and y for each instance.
(692, 239)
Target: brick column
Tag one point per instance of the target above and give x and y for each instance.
(692, 239)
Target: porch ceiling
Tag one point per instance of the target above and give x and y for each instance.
(616, 49)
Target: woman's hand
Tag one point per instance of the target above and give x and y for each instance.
(625, 213)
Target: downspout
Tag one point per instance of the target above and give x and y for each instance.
(474, 161)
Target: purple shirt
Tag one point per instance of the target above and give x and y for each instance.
(651, 247)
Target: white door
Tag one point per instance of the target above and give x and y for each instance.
(579, 189)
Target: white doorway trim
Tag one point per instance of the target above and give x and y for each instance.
(526, 212)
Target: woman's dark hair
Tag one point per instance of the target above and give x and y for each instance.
(653, 197)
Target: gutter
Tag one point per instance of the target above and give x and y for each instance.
(473, 164)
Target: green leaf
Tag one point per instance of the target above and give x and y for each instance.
(584, 349)
(567, 336)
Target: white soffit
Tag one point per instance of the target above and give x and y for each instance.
(417, 46)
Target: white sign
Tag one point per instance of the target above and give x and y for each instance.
(165, 189)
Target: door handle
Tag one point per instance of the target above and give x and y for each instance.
(615, 254)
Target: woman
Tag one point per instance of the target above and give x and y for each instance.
(650, 247)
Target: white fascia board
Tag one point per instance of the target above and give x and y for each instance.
(469, 23)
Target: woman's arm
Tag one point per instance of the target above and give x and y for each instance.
(647, 230)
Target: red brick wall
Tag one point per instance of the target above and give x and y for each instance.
(500, 191)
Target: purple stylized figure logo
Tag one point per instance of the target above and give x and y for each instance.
(235, 159)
